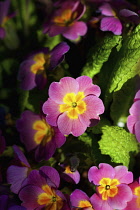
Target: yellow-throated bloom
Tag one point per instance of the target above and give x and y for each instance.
(73, 105)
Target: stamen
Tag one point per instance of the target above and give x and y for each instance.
(107, 187)
(74, 104)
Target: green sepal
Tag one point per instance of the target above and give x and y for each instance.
(120, 145)
(99, 54)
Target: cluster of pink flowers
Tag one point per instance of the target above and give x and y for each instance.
(72, 105)
(114, 187)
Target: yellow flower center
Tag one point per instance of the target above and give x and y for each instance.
(49, 198)
(42, 61)
(44, 132)
(5, 19)
(137, 193)
(108, 187)
(73, 105)
(66, 18)
(84, 204)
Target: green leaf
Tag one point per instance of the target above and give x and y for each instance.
(122, 100)
(100, 54)
(120, 145)
(127, 65)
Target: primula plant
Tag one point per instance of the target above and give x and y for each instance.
(70, 105)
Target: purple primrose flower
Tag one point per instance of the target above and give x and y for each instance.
(65, 20)
(40, 191)
(32, 71)
(113, 17)
(36, 133)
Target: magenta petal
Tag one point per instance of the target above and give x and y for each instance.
(51, 109)
(137, 96)
(105, 171)
(70, 126)
(137, 130)
(58, 90)
(19, 155)
(120, 200)
(2, 33)
(74, 177)
(86, 86)
(15, 176)
(123, 175)
(106, 10)
(29, 195)
(75, 30)
(132, 205)
(131, 120)
(59, 137)
(50, 173)
(64, 124)
(41, 80)
(98, 203)
(127, 13)
(24, 127)
(95, 107)
(77, 196)
(45, 152)
(35, 178)
(25, 76)
(135, 109)
(57, 54)
(111, 24)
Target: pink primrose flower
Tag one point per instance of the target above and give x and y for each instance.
(135, 202)
(112, 184)
(64, 20)
(36, 133)
(72, 104)
(40, 191)
(32, 71)
(133, 120)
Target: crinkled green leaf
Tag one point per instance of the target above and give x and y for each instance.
(127, 65)
(120, 145)
(99, 54)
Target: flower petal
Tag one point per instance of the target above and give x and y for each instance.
(120, 200)
(15, 176)
(111, 24)
(86, 86)
(76, 29)
(98, 203)
(123, 175)
(57, 54)
(51, 109)
(106, 10)
(58, 90)
(77, 196)
(105, 171)
(70, 126)
(137, 130)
